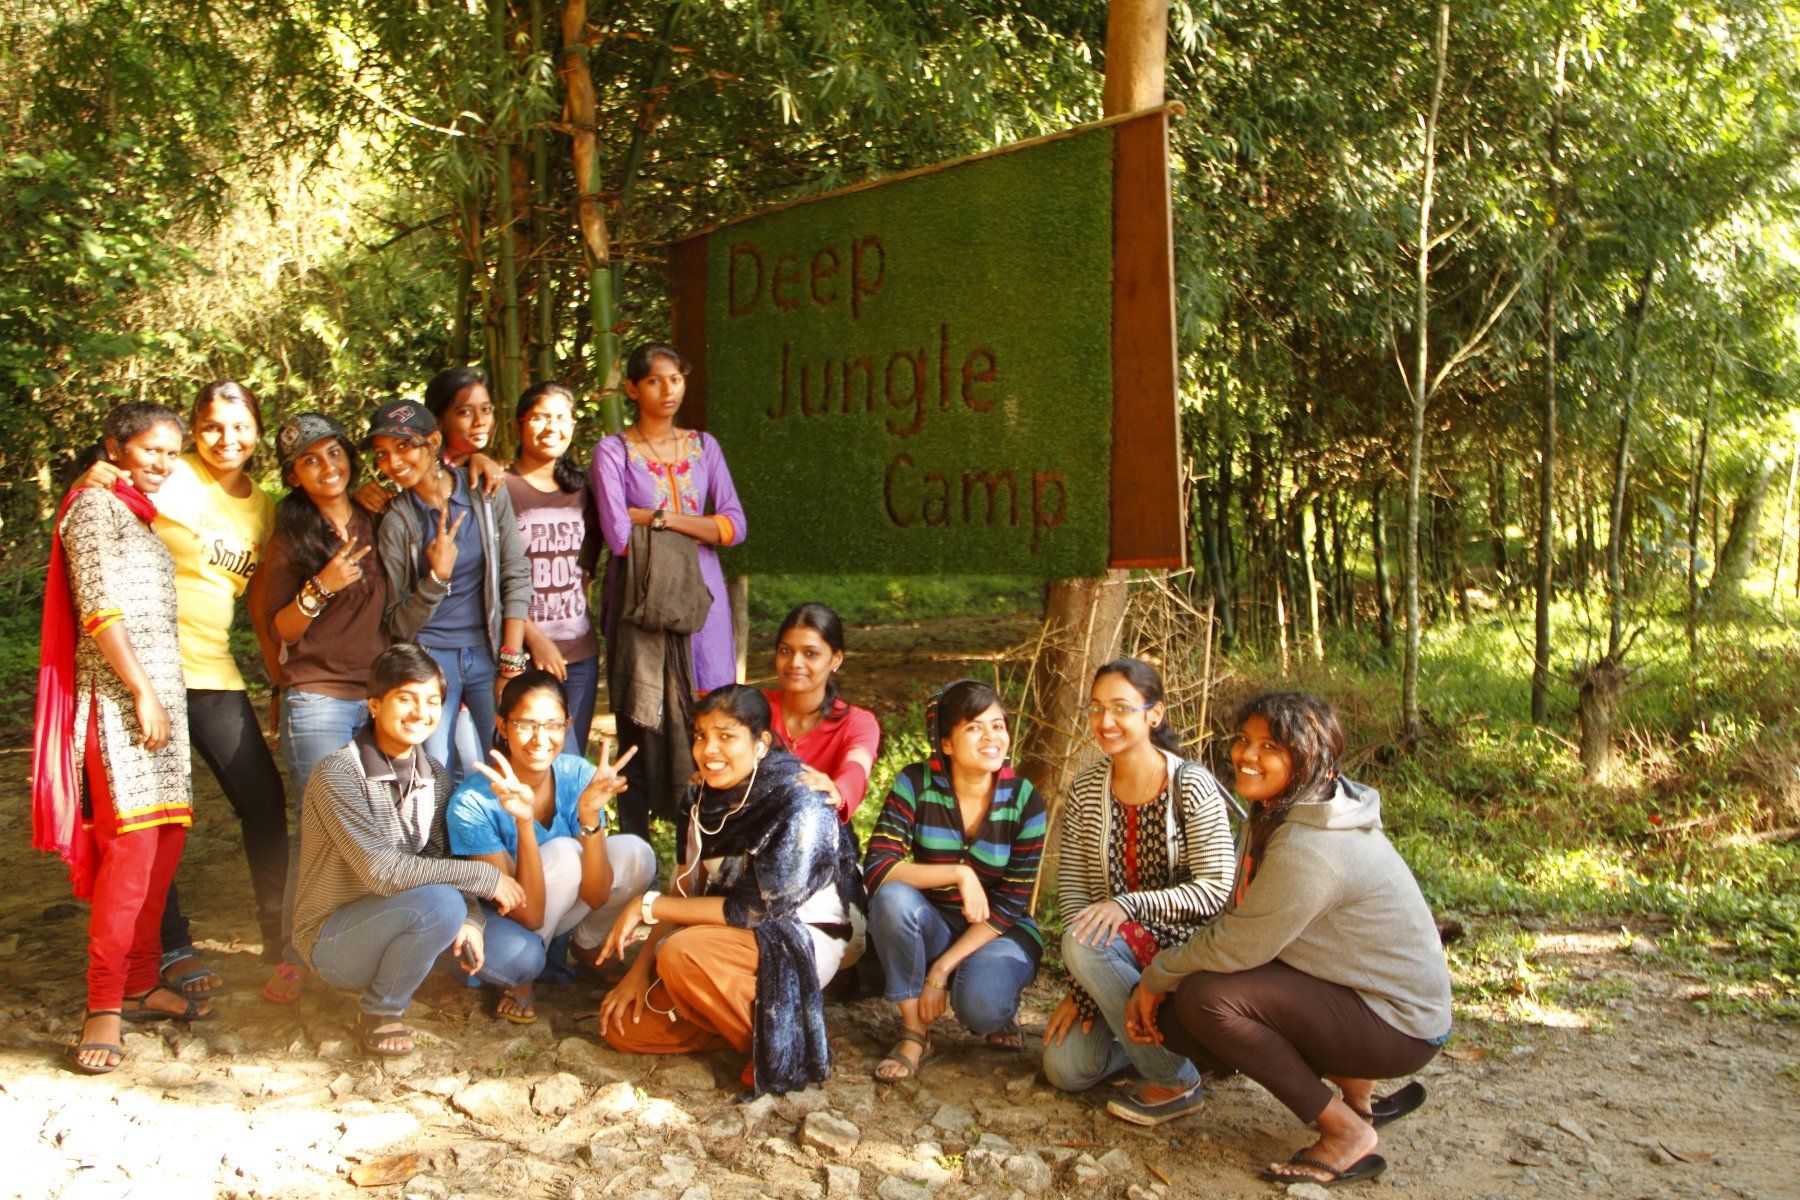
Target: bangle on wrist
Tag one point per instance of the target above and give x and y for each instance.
(932, 983)
(431, 573)
(647, 908)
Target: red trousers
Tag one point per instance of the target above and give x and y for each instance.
(125, 914)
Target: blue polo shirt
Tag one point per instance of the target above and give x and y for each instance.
(460, 619)
(478, 825)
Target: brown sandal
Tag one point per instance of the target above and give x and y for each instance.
(909, 1067)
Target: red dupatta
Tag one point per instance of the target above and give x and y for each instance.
(56, 782)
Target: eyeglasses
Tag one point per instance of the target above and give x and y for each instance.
(1118, 711)
(530, 729)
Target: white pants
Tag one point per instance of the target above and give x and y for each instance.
(633, 871)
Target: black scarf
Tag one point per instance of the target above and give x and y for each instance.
(783, 845)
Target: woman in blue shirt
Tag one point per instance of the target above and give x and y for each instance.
(538, 815)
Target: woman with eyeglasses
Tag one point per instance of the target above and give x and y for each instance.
(1144, 861)
(538, 815)
(459, 584)
(551, 500)
(1325, 967)
(951, 865)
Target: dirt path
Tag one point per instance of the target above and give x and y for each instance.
(1637, 1096)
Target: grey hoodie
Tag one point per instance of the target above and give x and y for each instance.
(1333, 899)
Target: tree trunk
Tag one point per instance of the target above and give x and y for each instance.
(1497, 522)
(1696, 496)
(510, 351)
(1384, 601)
(1083, 617)
(543, 294)
(1411, 725)
(1546, 515)
(1615, 531)
(1600, 684)
(1739, 550)
(1787, 509)
(580, 116)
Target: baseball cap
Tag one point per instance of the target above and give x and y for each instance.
(400, 419)
(300, 432)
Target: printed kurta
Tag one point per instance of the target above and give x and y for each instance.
(121, 573)
(695, 482)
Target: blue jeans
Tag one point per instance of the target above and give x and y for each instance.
(385, 946)
(910, 933)
(579, 687)
(1080, 1060)
(312, 726)
(468, 680)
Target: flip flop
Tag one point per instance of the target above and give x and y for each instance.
(1011, 1031)
(113, 1048)
(143, 1012)
(927, 1052)
(527, 1009)
(1394, 1105)
(287, 973)
(1134, 1108)
(1365, 1168)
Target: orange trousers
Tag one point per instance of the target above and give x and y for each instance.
(708, 975)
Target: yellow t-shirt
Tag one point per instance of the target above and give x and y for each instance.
(216, 540)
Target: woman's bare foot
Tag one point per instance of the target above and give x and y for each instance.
(1345, 1139)
(285, 985)
(515, 1004)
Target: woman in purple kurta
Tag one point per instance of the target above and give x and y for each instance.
(663, 476)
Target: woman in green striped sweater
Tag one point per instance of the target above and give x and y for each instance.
(950, 868)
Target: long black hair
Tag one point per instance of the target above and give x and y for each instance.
(742, 703)
(446, 386)
(532, 679)
(822, 620)
(568, 472)
(123, 423)
(309, 536)
(1308, 728)
(1146, 682)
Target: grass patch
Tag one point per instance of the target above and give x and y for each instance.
(866, 599)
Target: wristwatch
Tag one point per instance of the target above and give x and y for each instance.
(589, 830)
(658, 520)
(646, 905)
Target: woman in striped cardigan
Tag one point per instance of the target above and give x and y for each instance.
(1144, 860)
(950, 868)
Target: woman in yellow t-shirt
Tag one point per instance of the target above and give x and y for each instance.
(215, 522)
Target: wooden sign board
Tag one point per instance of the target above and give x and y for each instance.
(969, 368)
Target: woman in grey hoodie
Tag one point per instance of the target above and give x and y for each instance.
(1325, 964)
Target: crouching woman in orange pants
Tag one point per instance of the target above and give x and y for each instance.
(767, 906)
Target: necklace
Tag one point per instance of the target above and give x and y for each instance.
(649, 447)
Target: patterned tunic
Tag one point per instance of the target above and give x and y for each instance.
(121, 573)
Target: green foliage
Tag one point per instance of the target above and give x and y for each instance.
(861, 599)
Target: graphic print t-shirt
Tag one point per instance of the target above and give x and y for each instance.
(554, 531)
(216, 540)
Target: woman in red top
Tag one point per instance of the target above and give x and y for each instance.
(836, 739)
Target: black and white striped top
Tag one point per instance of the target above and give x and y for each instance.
(1201, 860)
(354, 842)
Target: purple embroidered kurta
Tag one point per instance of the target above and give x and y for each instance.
(694, 484)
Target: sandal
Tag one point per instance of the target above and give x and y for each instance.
(522, 1012)
(1365, 1168)
(1394, 1105)
(141, 1011)
(189, 983)
(113, 1049)
(1012, 1038)
(909, 1067)
(285, 984)
(1132, 1106)
(374, 1029)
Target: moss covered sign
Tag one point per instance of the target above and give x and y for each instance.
(969, 368)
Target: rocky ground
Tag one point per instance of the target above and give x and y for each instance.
(1630, 1093)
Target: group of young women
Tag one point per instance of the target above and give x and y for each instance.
(437, 665)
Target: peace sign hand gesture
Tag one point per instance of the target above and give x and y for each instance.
(343, 568)
(441, 552)
(514, 797)
(606, 782)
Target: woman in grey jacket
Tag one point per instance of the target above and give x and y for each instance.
(459, 583)
(1326, 961)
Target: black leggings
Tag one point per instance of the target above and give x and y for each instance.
(1285, 1029)
(222, 726)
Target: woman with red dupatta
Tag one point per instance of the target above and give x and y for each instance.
(110, 773)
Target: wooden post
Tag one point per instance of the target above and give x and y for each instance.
(1083, 618)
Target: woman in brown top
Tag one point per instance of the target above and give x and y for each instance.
(319, 610)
